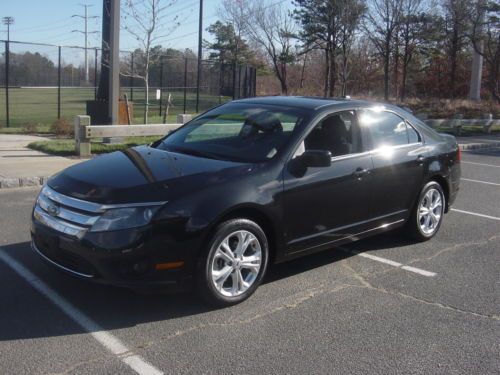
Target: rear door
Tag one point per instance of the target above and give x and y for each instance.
(398, 157)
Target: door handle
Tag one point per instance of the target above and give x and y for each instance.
(360, 172)
(420, 159)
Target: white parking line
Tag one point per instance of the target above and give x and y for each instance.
(481, 182)
(486, 165)
(476, 214)
(391, 263)
(110, 342)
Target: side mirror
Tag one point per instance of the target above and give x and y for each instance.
(316, 158)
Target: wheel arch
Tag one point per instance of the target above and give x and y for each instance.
(443, 182)
(256, 214)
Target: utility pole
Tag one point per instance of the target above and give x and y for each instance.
(477, 57)
(114, 60)
(8, 21)
(85, 17)
(200, 40)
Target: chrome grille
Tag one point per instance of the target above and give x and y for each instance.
(65, 214)
(74, 216)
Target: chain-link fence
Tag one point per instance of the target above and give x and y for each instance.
(41, 83)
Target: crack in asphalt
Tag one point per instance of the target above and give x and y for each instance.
(77, 365)
(366, 284)
(453, 248)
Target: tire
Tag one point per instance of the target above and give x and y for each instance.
(421, 226)
(228, 274)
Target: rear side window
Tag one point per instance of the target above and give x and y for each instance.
(387, 129)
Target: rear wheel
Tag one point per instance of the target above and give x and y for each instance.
(234, 263)
(427, 214)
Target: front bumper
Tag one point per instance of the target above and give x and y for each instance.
(128, 257)
(127, 266)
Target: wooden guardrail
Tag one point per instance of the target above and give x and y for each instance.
(457, 124)
(84, 132)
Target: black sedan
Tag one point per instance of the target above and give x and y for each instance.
(246, 184)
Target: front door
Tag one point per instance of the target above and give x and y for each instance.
(322, 205)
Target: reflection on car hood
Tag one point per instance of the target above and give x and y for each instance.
(141, 174)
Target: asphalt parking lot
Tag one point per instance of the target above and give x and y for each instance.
(380, 306)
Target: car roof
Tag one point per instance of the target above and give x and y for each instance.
(308, 102)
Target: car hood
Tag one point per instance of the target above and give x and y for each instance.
(142, 174)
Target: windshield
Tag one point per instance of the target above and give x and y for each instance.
(242, 132)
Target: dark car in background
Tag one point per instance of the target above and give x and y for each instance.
(246, 184)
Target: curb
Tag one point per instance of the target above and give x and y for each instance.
(17, 182)
(477, 146)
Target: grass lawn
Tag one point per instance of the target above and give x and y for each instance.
(66, 147)
(39, 105)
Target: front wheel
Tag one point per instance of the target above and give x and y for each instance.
(427, 213)
(234, 263)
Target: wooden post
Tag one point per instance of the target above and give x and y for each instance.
(127, 109)
(167, 107)
(82, 143)
(489, 121)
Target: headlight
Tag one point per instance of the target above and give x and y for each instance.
(123, 218)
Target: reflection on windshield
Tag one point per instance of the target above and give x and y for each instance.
(238, 132)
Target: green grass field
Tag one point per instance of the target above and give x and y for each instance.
(66, 147)
(39, 105)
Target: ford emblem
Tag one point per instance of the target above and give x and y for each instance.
(53, 210)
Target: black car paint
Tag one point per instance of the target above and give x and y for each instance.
(301, 211)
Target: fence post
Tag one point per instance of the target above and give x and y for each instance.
(82, 143)
(239, 81)
(131, 78)
(254, 81)
(245, 83)
(234, 79)
(95, 74)
(59, 83)
(7, 62)
(198, 85)
(185, 82)
(221, 81)
(161, 82)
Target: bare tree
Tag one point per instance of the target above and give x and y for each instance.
(269, 26)
(410, 32)
(382, 19)
(351, 13)
(456, 19)
(145, 21)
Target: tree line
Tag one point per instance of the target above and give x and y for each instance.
(388, 48)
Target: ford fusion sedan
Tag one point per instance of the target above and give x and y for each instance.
(249, 183)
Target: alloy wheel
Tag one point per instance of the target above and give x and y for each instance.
(430, 211)
(236, 263)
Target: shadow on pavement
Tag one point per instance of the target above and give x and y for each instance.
(116, 308)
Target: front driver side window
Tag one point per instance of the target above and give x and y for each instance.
(337, 133)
